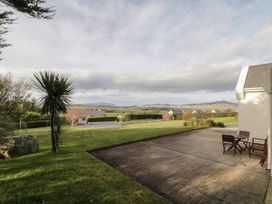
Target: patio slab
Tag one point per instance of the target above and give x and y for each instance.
(190, 168)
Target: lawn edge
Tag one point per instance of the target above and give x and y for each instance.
(160, 195)
(91, 151)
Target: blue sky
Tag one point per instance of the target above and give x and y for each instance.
(139, 52)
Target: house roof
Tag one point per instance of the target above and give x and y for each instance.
(198, 111)
(81, 113)
(256, 78)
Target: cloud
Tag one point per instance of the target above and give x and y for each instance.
(144, 50)
(223, 79)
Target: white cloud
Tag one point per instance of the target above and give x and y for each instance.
(157, 51)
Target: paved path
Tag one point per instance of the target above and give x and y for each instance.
(190, 168)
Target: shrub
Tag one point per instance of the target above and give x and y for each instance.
(35, 116)
(220, 124)
(202, 123)
(209, 123)
(102, 119)
(3, 132)
(38, 123)
(178, 116)
(32, 115)
(7, 126)
(142, 116)
(185, 124)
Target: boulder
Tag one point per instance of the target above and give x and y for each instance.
(15, 146)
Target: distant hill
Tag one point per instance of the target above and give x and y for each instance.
(95, 104)
(213, 103)
(216, 105)
(219, 105)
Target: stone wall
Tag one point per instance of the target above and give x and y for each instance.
(14, 146)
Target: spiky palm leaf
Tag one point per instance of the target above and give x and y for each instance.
(57, 95)
(57, 91)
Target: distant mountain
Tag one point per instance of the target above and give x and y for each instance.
(220, 105)
(95, 104)
(213, 103)
(209, 106)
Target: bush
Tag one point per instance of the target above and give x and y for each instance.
(142, 116)
(38, 123)
(32, 115)
(7, 126)
(220, 124)
(185, 124)
(35, 116)
(3, 132)
(102, 119)
(209, 123)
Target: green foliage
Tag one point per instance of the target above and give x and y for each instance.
(7, 126)
(3, 132)
(35, 116)
(73, 175)
(14, 97)
(211, 123)
(101, 119)
(33, 8)
(57, 90)
(37, 123)
(220, 124)
(59, 131)
(32, 115)
(226, 120)
(178, 116)
(128, 117)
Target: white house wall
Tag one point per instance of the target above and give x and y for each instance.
(254, 114)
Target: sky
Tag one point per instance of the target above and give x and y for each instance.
(144, 52)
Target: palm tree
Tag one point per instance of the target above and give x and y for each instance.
(57, 90)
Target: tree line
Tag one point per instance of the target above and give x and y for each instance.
(16, 100)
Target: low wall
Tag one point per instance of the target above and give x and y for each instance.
(14, 146)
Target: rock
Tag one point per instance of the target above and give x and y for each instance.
(14, 146)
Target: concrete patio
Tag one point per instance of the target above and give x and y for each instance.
(190, 168)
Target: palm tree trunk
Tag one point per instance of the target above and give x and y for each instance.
(53, 139)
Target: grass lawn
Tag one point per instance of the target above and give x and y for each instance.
(226, 120)
(73, 175)
(176, 123)
(156, 124)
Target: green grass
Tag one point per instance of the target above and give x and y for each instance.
(73, 175)
(226, 120)
(178, 123)
(169, 123)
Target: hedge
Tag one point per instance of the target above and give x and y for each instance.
(36, 124)
(35, 116)
(102, 119)
(8, 125)
(142, 116)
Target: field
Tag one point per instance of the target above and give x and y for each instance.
(73, 175)
(226, 120)
(178, 123)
